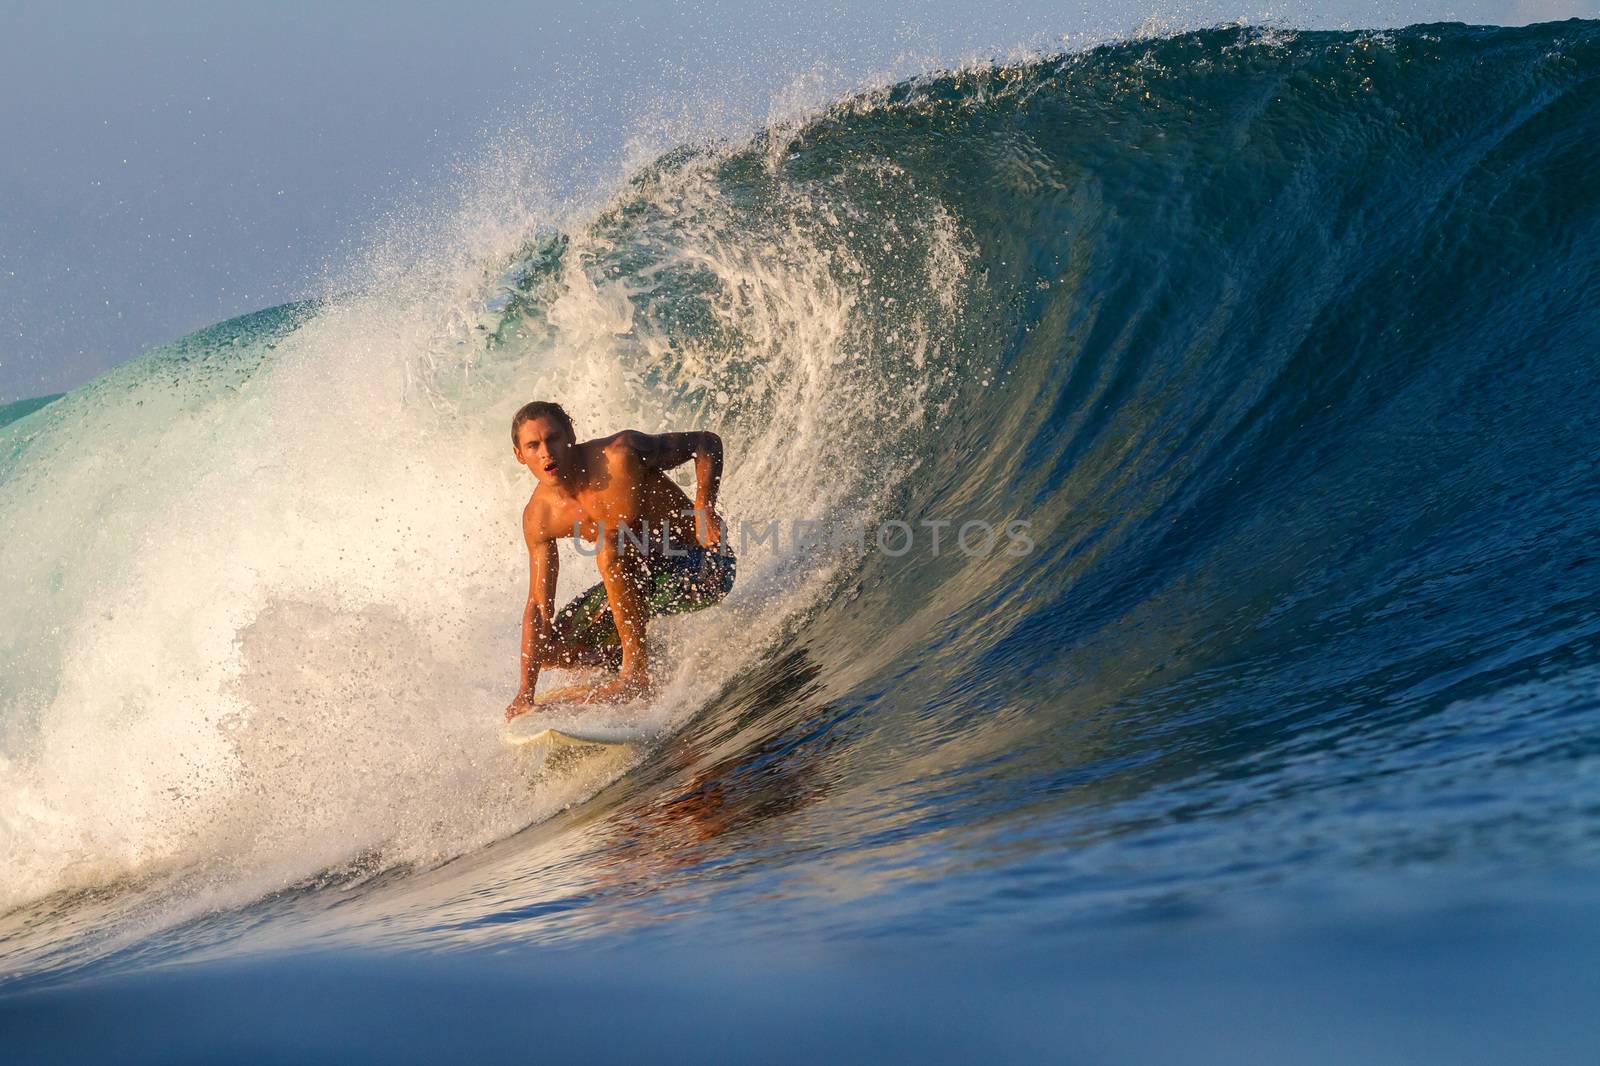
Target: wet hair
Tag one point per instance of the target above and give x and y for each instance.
(541, 409)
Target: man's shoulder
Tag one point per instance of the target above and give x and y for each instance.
(536, 514)
(625, 440)
(627, 445)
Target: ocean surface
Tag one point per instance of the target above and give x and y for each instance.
(1266, 723)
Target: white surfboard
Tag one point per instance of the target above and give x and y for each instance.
(588, 727)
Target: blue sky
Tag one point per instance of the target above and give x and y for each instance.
(169, 165)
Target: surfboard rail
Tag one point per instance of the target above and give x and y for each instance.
(539, 727)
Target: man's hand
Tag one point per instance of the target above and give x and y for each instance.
(707, 526)
(520, 704)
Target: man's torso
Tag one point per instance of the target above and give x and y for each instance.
(619, 491)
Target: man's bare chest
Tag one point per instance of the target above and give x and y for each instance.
(582, 516)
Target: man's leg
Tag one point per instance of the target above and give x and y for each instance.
(585, 634)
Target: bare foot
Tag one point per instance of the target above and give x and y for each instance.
(579, 693)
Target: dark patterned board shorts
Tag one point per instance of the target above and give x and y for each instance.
(673, 585)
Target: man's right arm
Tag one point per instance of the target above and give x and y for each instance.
(538, 616)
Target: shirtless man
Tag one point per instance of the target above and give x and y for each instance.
(657, 554)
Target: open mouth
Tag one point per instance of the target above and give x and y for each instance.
(550, 467)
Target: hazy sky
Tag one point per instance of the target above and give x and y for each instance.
(164, 166)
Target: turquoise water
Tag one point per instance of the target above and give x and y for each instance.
(10, 412)
(1281, 738)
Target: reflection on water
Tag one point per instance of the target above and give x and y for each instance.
(691, 812)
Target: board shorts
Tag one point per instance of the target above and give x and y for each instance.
(672, 585)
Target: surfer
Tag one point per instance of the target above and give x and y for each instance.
(657, 553)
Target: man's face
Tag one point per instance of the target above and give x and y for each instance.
(542, 446)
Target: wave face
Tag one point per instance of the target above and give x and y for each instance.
(1282, 345)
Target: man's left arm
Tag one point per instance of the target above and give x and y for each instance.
(667, 450)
